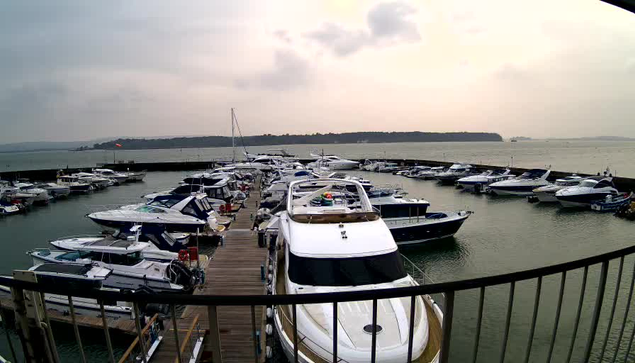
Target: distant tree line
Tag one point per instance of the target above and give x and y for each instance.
(287, 139)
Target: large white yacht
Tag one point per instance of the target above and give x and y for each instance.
(522, 185)
(331, 243)
(454, 173)
(119, 178)
(587, 192)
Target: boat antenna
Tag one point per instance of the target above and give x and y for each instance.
(233, 144)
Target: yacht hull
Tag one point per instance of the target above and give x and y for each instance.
(546, 197)
(516, 190)
(580, 200)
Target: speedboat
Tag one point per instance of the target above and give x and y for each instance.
(177, 213)
(588, 191)
(75, 184)
(55, 190)
(328, 243)
(388, 167)
(430, 173)
(163, 246)
(8, 208)
(413, 172)
(479, 182)
(522, 185)
(119, 178)
(454, 173)
(129, 269)
(547, 194)
(135, 176)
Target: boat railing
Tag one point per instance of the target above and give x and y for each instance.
(575, 311)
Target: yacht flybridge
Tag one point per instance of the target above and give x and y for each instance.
(330, 242)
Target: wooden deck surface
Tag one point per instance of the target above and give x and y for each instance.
(234, 270)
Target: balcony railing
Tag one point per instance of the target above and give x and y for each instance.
(616, 328)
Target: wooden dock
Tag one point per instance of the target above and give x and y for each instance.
(234, 270)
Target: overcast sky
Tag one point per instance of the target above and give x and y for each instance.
(78, 70)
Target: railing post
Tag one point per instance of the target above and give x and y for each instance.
(617, 292)
(48, 329)
(76, 329)
(479, 321)
(335, 326)
(137, 320)
(628, 307)
(24, 330)
(596, 312)
(253, 332)
(214, 334)
(448, 313)
(104, 321)
(578, 313)
(175, 327)
(510, 306)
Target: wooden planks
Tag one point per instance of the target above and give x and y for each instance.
(234, 270)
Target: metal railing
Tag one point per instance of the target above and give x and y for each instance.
(604, 324)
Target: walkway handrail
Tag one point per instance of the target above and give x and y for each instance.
(318, 298)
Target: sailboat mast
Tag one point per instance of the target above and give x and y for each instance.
(233, 143)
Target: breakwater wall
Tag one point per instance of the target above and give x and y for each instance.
(622, 183)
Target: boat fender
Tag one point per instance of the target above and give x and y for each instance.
(268, 351)
(262, 272)
(269, 312)
(269, 329)
(270, 277)
(270, 268)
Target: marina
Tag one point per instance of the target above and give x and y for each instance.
(236, 267)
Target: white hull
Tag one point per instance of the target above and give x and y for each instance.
(512, 193)
(546, 197)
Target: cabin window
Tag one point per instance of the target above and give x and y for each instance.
(346, 271)
(126, 260)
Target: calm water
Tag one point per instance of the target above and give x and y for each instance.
(575, 156)
(504, 235)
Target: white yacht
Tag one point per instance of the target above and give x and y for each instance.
(55, 190)
(124, 258)
(454, 173)
(587, 192)
(332, 162)
(119, 178)
(430, 173)
(480, 181)
(522, 185)
(177, 213)
(547, 194)
(327, 245)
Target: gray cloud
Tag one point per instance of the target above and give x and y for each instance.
(389, 23)
(283, 35)
(289, 71)
(339, 40)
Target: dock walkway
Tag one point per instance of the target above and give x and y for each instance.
(234, 270)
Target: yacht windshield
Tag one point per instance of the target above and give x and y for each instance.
(149, 209)
(588, 183)
(346, 271)
(532, 174)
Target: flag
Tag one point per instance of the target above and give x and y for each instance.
(118, 145)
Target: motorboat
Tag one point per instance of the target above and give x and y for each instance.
(177, 213)
(431, 173)
(118, 178)
(32, 193)
(135, 176)
(454, 173)
(612, 203)
(162, 247)
(326, 244)
(260, 163)
(8, 208)
(388, 167)
(522, 185)
(411, 223)
(129, 269)
(76, 185)
(414, 171)
(96, 181)
(370, 165)
(332, 162)
(547, 194)
(76, 276)
(588, 191)
(55, 190)
(480, 181)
